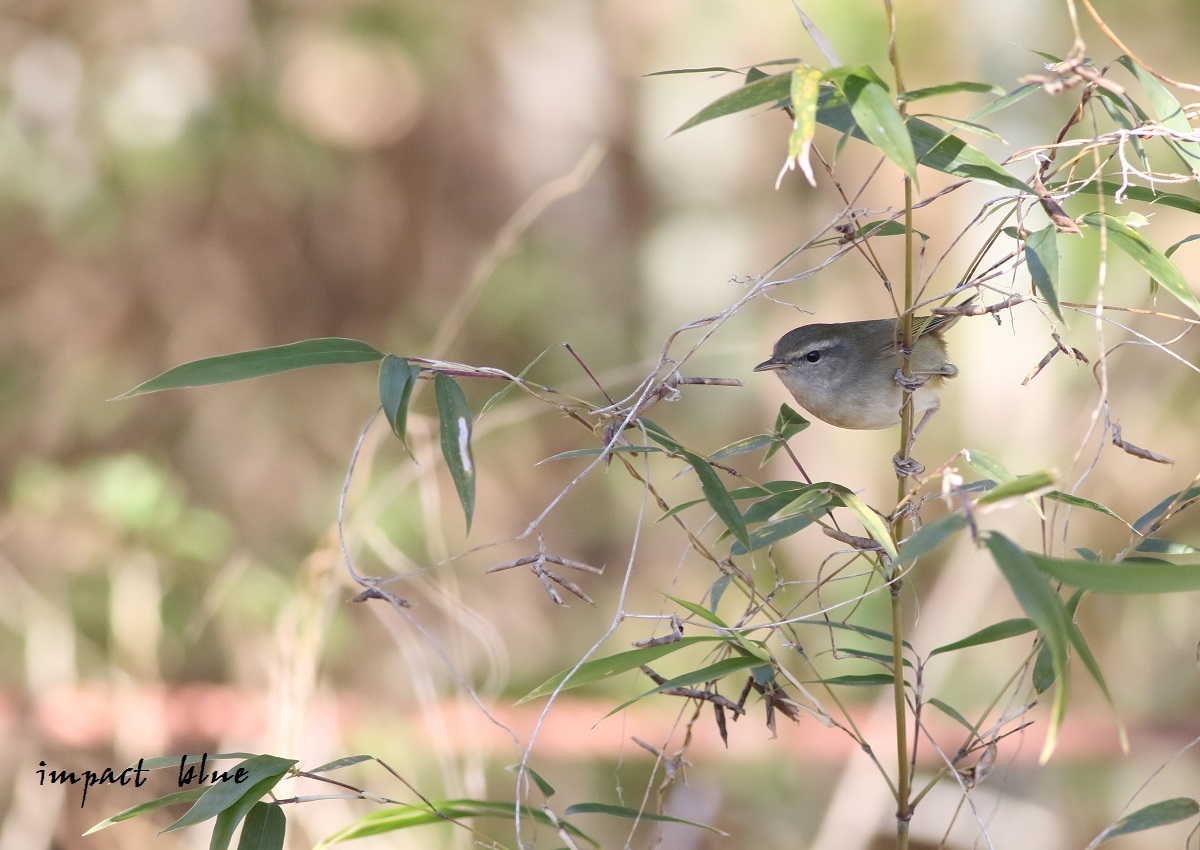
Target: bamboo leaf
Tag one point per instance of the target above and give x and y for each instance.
(223, 795)
(1145, 255)
(599, 669)
(396, 818)
(1170, 114)
(929, 537)
(1127, 577)
(874, 525)
(265, 828)
(990, 634)
(1017, 94)
(880, 121)
(1148, 817)
(949, 88)
(149, 806)
(765, 90)
(718, 497)
(454, 428)
(229, 818)
(1023, 485)
(1046, 610)
(1080, 502)
(632, 814)
(858, 680)
(397, 377)
(227, 368)
(760, 538)
(1041, 257)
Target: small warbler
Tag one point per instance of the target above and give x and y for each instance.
(849, 373)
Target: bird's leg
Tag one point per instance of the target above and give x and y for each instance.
(905, 465)
(912, 383)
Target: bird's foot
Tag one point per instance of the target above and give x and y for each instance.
(912, 383)
(907, 467)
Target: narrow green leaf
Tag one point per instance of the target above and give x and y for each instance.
(874, 634)
(767, 490)
(1170, 114)
(337, 764)
(1146, 256)
(805, 503)
(382, 821)
(952, 712)
(1127, 577)
(1154, 815)
(932, 147)
(701, 612)
(1041, 256)
(1080, 644)
(1044, 676)
(765, 509)
(766, 90)
(789, 423)
(599, 669)
(856, 680)
(223, 795)
(884, 658)
(714, 69)
(1080, 502)
(397, 377)
(615, 450)
(949, 88)
(760, 538)
(1045, 608)
(989, 634)
(1136, 193)
(632, 814)
(718, 496)
(743, 447)
(1017, 94)
(752, 647)
(1023, 485)
(454, 428)
(929, 537)
(659, 435)
(960, 124)
(265, 828)
(874, 525)
(718, 670)
(150, 806)
(719, 587)
(1159, 546)
(877, 116)
(1175, 503)
(545, 787)
(988, 466)
(1176, 246)
(257, 363)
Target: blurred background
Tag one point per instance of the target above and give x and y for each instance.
(483, 181)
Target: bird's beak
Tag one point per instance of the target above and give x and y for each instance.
(768, 365)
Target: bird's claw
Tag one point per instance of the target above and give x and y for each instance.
(912, 383)
(907, 467)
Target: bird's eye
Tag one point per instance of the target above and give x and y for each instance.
(812, 356)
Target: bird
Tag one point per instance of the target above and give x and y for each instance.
(850, 374)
